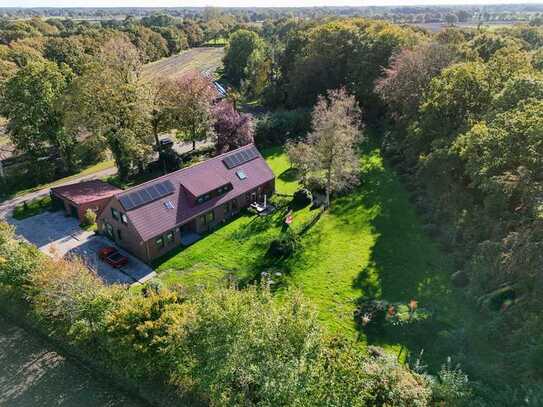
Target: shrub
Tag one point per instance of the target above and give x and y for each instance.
(460, 279)
(17, 259)
(285, 245)
(451, 386)
(280, 126)
(227, 346)
(32, 208)
(66, 292)
(302, 198)
(89, 218)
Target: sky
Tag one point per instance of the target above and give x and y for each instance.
(244, 3)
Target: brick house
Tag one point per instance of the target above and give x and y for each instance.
(75, 199)
(158, 216)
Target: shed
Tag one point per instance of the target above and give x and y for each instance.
(77, 198)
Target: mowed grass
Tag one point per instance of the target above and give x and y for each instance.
(370, 244)
(204, 59)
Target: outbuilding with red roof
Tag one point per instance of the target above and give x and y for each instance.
(77, 198)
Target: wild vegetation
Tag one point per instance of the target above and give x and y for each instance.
(203, 343)
(449, 151)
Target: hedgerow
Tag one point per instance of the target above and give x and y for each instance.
(227, 346)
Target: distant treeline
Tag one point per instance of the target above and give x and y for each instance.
(501, 12)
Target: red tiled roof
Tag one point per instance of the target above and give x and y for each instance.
(154, 218)
(200, 181)
(87, 191)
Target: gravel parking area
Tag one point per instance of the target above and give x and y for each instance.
(58, 235)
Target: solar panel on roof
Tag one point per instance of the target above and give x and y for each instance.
(136, 199)
(236, 160)
(161, 189)
(169, 186)
(153, 192)
(126, 202)
(241, 157)
(244, 155)
(253, 153)
(228, 162)
(145, 196)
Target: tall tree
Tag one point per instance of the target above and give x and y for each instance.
(408, 76)
(232, 129)
(329, 154)
(243, 46)
(110, 101)
(30, 104)
(192, 100)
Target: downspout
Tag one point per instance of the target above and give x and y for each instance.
(147, 251)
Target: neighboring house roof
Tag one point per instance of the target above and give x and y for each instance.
(155, 218)
(85, 192)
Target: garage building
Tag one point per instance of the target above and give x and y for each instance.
(75, 199)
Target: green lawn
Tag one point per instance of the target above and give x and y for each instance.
(370, 244)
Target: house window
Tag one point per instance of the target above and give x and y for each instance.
(203, 198)
(170, 237)
(224, 189)
(209, 217)
(159, 242)
(109, 229)
(115, 213)
(124, 218)
(119, 234)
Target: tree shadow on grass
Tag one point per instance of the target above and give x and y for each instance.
(404, 264)
(289, 175)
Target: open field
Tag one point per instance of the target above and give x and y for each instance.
(436, 27)
(199, 59)
(370, 244)
(32, 374)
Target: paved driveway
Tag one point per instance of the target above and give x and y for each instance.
(59, 236)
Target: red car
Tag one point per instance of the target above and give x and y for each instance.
(111, 256)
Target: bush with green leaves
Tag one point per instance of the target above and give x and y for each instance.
(302, 198)
(223, 346)
(285, 245)
(89, 218)
(451, 386)
(18, 260)
(278, 127)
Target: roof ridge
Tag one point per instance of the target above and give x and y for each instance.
(184, 169)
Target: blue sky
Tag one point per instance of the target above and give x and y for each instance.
(240, 3)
